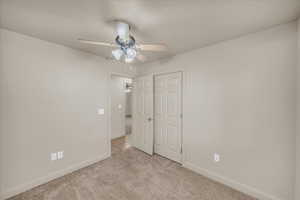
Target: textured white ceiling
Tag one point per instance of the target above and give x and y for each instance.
(181, 24)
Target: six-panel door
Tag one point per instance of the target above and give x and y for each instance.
(167, 101)
(143, 113)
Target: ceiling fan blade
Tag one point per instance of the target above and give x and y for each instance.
(152, 47)
(97, 43)
(141, 57)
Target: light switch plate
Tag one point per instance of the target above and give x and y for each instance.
(101, 111)
(120, 106)
(216, 157)
(60, 155)
(53, 156)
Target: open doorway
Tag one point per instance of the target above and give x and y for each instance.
(121, 108)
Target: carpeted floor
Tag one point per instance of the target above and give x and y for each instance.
(132, 175)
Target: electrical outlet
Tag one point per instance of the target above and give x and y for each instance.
(60, 155)
(216, 157)
(53, 156)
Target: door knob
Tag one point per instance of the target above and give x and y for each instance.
(149, 119)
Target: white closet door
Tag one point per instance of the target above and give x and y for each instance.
(168, 99)
(143, 113)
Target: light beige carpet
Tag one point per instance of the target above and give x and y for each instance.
(132, 175)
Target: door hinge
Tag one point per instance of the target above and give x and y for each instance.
(181, 150)
(181, 115)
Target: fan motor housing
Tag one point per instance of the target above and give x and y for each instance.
(125, 44)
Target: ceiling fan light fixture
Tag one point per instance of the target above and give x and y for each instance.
(126, 48)
(131, 53)
(117, 54)
(128, 59)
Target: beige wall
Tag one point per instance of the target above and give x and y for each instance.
(1, 135)
(297, 187)
(128, 109)
(50, 95)
(240, 101)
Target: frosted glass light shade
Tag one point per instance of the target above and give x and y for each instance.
(117, 54)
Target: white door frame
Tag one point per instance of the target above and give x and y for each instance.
(109, 106)
(181, 107)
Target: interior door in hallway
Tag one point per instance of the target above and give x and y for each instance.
(168, 113)
(143, 113)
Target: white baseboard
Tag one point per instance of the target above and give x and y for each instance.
(27, 186)
(231, 183)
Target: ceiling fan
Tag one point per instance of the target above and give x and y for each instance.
(126, 46)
